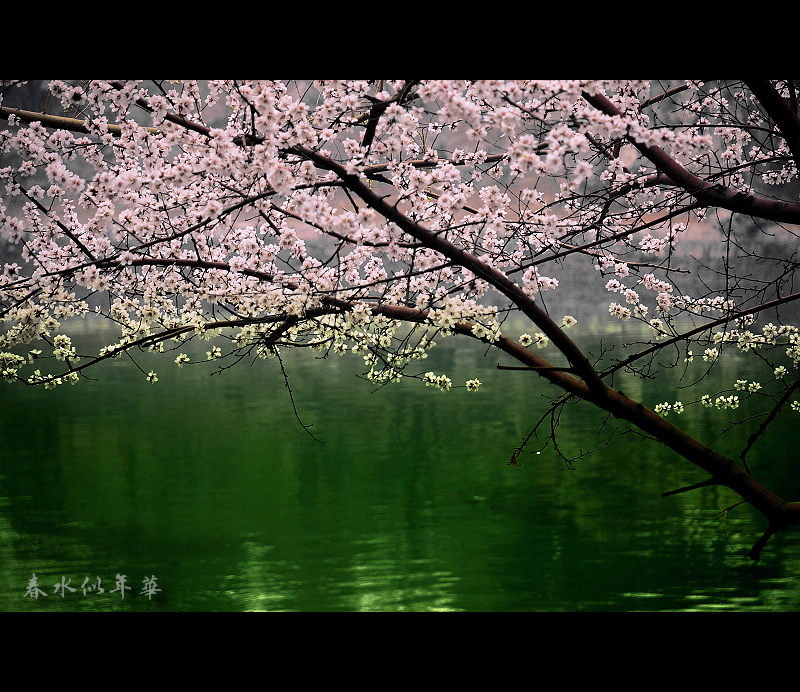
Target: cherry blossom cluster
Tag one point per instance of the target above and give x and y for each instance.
(240, 212)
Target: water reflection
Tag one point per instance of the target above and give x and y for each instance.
(408, 505)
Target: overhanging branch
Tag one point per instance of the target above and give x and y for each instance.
(709, 194)
(780, 111)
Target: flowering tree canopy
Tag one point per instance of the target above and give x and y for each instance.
(372, 217)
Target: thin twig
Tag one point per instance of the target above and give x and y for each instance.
(761, 428)
(291, 398)
(694, 486)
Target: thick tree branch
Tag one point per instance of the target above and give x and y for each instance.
(59, 122)
(709, 194)
(496, 278)
(755, 551)
(780, 111)
(379, 108)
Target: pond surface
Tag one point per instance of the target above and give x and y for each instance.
(211, 485)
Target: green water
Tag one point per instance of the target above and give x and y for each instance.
(210, 484)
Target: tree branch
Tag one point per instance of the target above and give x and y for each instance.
(698, 330)
(780, 111)
(755, 551)
(762, 428)
(710, 194)
(59, 122)
(496, 278)
(694, 486)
